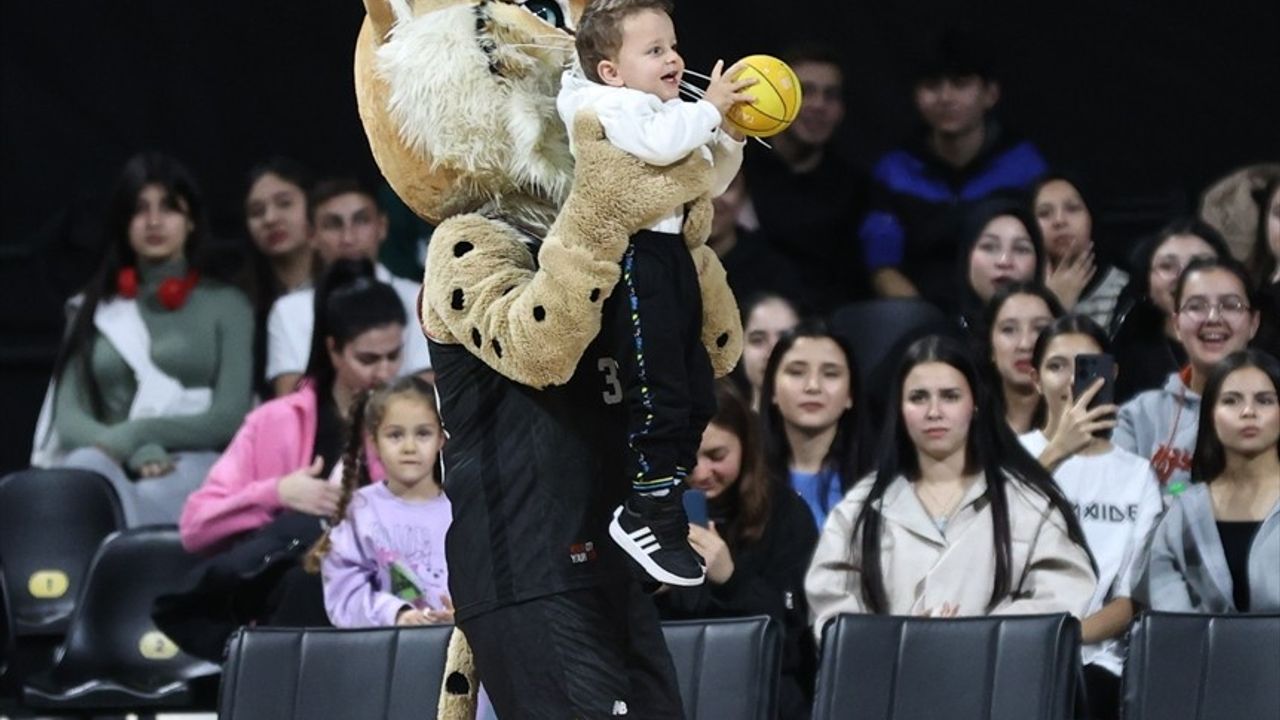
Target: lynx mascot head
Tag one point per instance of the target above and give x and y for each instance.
(457, 98)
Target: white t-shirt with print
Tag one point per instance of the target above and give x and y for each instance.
(1117, 499)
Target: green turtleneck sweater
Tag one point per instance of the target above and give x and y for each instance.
(205, 343)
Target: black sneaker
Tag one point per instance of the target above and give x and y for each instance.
(654, 531)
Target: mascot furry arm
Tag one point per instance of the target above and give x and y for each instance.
(531, 322)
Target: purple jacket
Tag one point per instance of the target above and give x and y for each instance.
(388, 554)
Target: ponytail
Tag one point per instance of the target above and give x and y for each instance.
(355, 474)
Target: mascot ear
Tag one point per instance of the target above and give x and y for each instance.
(381, 17)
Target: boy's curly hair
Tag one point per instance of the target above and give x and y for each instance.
(599, 35)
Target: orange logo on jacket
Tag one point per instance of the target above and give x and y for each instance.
(1168, 460)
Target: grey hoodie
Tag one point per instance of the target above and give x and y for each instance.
(1161, 425)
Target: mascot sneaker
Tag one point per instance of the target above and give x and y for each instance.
(654, 531)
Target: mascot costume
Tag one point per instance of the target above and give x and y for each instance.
(457, 98)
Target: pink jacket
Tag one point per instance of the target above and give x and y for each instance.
(240, 493)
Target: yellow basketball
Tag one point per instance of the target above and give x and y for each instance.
(777, 97)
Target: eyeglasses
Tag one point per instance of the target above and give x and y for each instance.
(1199, 309)
(1171, 268)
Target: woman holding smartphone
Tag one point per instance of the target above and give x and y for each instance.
(1115, 494)
(756, 543)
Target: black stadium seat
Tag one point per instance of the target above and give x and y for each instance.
(308, 673)
(51, 523)
(982, 668)
(114, 657)
(727, 669)
(1203, 667)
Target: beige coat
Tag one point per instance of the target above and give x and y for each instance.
(923, 568)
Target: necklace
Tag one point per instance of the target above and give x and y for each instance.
(941, 511)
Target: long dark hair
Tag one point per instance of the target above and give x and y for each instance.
(1079, 183)
(348, 301)
(1065, 325)
(970, 231)
(1211, 458)
(181, 189)
(1135, 304)
(750, 497)
(367, 412)
(989, 315)
(1069, 325)
(259, 281)
(848, 457)
(991, 448)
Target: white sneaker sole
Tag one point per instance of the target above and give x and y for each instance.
(655, 571)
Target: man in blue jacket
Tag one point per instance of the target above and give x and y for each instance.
(920, 192)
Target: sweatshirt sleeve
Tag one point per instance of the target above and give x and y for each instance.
(833, 584)
(349, 573)
(1163, 586)
(1150, 507)
(656, 132)
(1058, 576)
(232, 387)
(236, 496)
(726, 157)
(74, 420)
(1125, 433)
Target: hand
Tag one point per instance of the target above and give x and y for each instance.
(1067, 279)
(304, 491)
(155, 469)
(725, 90)
(715, 553)
(946, 611)
(411, 617)
(1078, 423)
(443, 616)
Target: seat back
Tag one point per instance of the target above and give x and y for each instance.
(983, 668)
(111, 635)
(305, 673)
(726, 668)
(1203, 667)
(880, 330)
(51, 523)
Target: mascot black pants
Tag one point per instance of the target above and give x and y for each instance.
(665, 375)
(595, 653)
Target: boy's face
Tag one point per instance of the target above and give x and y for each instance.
(647, 60)
(349, 227)
(955, 106)
(823, 106)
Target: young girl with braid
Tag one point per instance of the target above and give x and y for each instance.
(383, 561)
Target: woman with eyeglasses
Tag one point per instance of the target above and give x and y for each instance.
(1213, 317)
(1143, 328)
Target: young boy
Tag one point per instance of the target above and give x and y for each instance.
(629, 72)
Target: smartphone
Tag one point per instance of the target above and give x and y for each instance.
(1090, 367)
(695, 506)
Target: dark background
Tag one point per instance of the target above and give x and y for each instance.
(1151, 100)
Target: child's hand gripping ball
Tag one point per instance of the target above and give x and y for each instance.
(777, 97)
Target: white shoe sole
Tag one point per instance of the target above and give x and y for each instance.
(655, 571)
